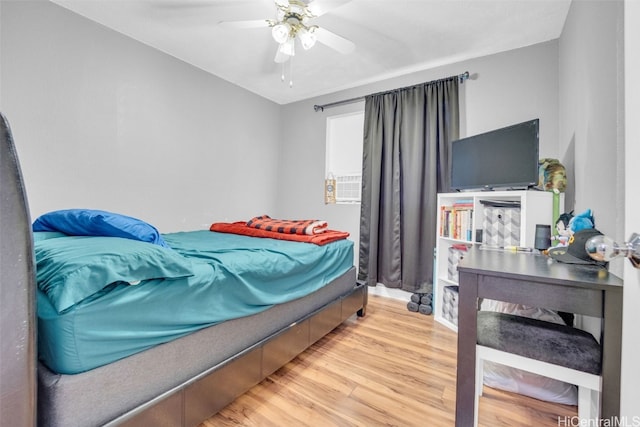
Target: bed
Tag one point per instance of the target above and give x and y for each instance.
(191, 321)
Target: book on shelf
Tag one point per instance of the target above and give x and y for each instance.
(467, 203)
(456, 221)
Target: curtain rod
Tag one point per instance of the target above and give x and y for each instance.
(462, 77)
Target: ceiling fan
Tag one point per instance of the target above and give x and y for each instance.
(292, 22)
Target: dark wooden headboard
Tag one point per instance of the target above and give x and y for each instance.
(17, 296)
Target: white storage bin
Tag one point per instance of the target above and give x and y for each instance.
(501, 226)
(453, 258)
(450, 304)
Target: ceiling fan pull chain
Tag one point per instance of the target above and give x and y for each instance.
(291, 72)
(282, 76)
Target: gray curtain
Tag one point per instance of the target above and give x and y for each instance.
(407, 134)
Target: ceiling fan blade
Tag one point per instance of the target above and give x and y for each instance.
(320, 7)
(255, 23)
(334, 41)
(192, 4)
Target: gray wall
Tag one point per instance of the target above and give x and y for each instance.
(591, 142)
(102, 121)
(505, 88)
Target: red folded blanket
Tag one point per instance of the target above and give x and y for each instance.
(242, 228)
(298, 226)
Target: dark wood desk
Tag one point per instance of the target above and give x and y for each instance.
(537, 281)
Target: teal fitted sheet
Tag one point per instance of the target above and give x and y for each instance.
(233, 276)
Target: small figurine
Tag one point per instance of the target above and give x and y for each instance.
(568, 224)
(563, 232)
(582, 221)
(552, 175)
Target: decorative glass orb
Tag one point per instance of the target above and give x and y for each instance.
(602, 248)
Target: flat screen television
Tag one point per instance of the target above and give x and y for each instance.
(505, 158)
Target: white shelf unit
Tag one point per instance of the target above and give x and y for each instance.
(536, 207)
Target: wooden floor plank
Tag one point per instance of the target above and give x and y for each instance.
(391, 368)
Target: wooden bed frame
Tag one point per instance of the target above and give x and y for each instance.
(189, 403)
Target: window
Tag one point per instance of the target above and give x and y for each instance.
(344, 155)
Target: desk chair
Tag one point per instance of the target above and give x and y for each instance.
(544, 348)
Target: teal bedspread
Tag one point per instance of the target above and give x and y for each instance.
(233, 276)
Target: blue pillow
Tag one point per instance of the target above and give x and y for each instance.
(70, 269)
(89, 222)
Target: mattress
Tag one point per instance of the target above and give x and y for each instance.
(233, 277)
(100, 395)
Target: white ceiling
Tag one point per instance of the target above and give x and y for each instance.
(392, 37)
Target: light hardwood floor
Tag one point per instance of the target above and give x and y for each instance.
(390, 368)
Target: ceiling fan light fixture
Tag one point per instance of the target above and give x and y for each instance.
(281, 32)
(307, 38)
(288, 47)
